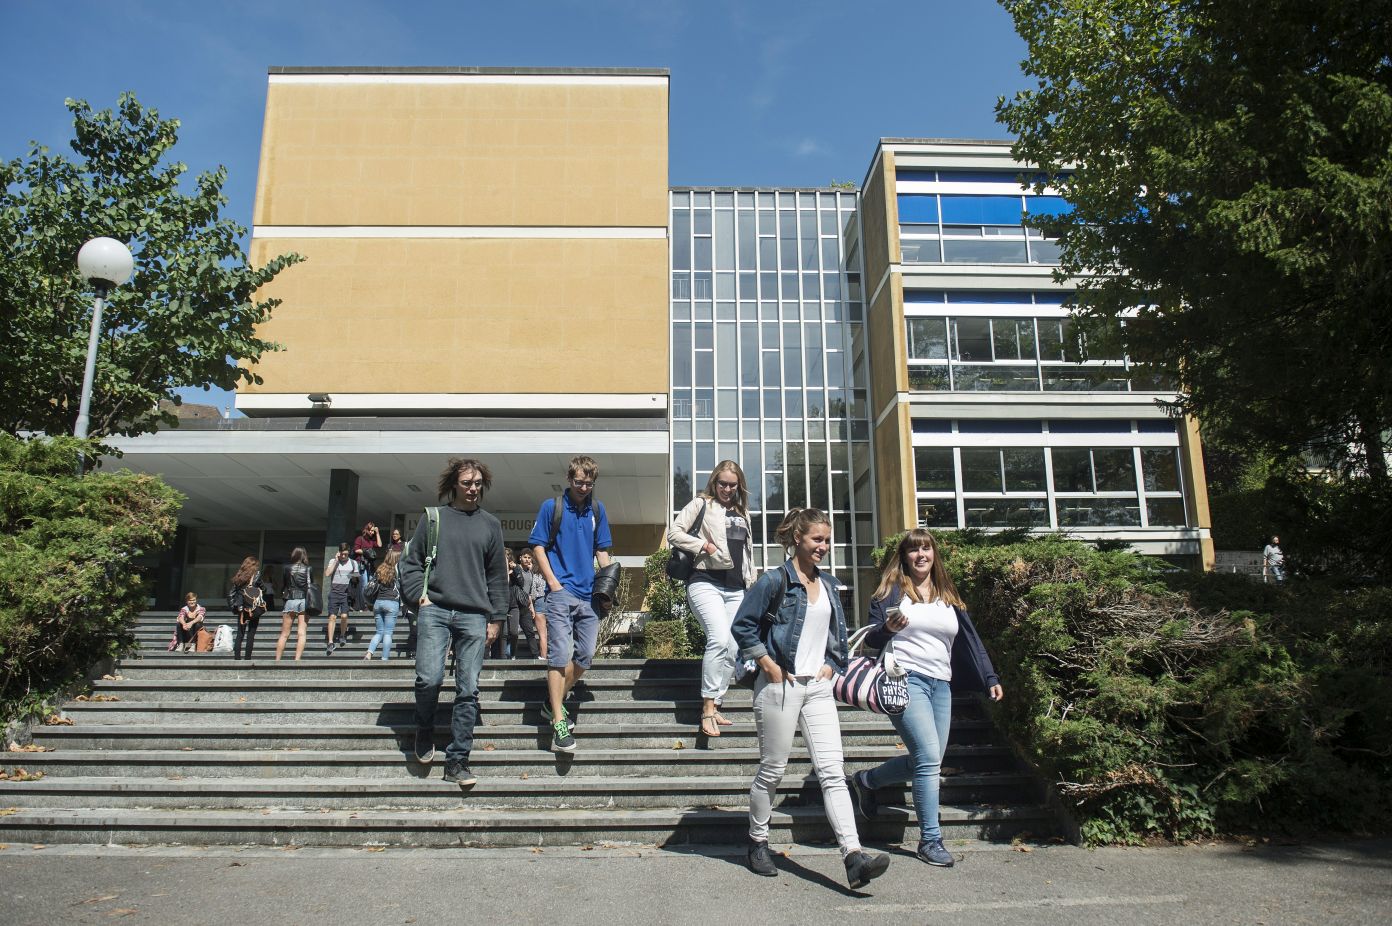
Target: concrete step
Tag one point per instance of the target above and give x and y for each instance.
(469, 827)
(405, 792)
(589, 760)
(388, 735)
(187, 714)
(190, 666)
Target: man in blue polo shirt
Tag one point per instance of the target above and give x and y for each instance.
(567, 563)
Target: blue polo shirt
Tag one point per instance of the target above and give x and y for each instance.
(583, 532)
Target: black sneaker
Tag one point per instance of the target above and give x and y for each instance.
(761, 859)
(862, 867)
(424, 750)
(562, 740)
(457, 772)
(933, 852)
(866, 803)
(546, 715)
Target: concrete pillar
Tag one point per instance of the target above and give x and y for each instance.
(342, 521)
(169, 575)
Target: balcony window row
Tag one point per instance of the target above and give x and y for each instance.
(1050, 354)
(1042, 487)
(947, 228)
(784, 240)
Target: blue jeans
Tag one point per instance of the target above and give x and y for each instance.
(923, 726)
(572, 628)
(385, 613)
(437, 631)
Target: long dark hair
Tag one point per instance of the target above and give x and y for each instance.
(896, 571)
(449, 479)
(244, 574)
(299, 557)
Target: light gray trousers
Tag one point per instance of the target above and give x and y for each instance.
(715, 608)
(780, 710)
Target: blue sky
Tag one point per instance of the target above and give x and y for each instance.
(763, 92)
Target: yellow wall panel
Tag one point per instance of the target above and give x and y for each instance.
(468, 316)
(464, 153)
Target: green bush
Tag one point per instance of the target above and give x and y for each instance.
(1174, 704)
(666, 602)
(68, 590)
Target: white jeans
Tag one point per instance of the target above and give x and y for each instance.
(715, 608)
(779, 710)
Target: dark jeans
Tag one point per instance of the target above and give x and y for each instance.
(245, 631)
(438, 631)
(529, 630)
(182, 636)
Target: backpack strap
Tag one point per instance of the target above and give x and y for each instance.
(432, 539)
(777, 599)
(556, 512)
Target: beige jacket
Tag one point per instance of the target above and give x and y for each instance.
(713, 530)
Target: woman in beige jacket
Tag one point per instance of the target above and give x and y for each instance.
(714, 527)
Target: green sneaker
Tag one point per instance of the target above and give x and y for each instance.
(562, 740)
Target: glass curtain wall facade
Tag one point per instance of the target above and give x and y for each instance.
(766, 313)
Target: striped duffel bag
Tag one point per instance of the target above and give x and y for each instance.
(875, 684)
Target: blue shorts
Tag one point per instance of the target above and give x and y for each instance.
(572, 627)
(294, 606)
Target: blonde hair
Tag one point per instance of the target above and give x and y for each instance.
(896, 573)
(386, 573)
(741, 493)
(798, 522)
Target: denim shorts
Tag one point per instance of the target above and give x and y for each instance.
(572, 628)
(294, 606)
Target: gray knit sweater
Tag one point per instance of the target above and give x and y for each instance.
(470, 571)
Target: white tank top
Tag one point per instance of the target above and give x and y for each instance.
(816, 632)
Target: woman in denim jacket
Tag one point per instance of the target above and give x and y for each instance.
(792, 624)
(917, 608)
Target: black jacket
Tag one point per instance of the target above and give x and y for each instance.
(970, 664)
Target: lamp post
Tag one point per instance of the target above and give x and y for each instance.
(103, 262)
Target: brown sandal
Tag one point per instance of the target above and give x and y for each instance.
(714, 729)
(723, 720)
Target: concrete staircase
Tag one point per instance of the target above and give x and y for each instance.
(202, 749)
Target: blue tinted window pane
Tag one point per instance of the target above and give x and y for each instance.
(929, 175)
(984, 252)
(916, 208)
(924, 295)
(981, 210)
(1089, 426)
(1153, 426)
(932, 426)
(1046, 205)
(985, 296)
(1002, 426)
(1050, 298)
(978, 176)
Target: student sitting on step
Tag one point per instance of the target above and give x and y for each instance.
(188, 623)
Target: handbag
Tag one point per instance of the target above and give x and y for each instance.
(680, 563)
(877, 684)
(314, 598)
(205, 641)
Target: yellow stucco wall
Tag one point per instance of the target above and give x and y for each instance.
(894, 476)
(464, 153)
(467, 316)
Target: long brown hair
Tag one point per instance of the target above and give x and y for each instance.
(896, 572)
(449, 479)
(386, 573)
(245, 573)
(741, 493)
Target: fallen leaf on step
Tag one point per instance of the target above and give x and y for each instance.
(19, 774)
(82, 698)
(587, 848)
(186, 749)
(237, 865)
(113, 678)
(678, 745)
(536, 850)
(1021, 847)
(38, 845)
(98, 899)
(376, 848)
(56, 720)
(3, 847)
(6, 811)
(243, 698)
(103, 698)
(525, 776)
(489, 747)
(898, 745)
(31, 747)
(121, 911)
(175, 777)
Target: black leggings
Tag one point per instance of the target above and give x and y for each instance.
(245, 631)
(182, 636)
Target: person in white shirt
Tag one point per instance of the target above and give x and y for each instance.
(918, 610)
(1274, 560)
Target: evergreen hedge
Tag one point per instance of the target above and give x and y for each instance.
(68, 589)
(1180, 705)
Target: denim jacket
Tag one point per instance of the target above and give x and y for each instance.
(778, 637)
(970, 663)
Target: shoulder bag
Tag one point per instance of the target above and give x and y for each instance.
(876, 684)
(681, 563)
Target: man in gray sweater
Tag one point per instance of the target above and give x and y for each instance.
(463, 608)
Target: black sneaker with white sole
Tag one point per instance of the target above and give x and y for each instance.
(562, 740)
(458, 772)
(424, 750)
(547, 716)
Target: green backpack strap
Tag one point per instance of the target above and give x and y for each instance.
(432, 539)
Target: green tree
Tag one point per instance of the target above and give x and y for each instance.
(187, 318)
(1229, 163)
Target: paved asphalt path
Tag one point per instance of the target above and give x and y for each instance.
(1335, 883)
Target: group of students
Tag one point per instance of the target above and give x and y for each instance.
(791, 623)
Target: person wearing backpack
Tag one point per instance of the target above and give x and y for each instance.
(791, 622)
(384, 595)
(294, 590)
(455, 568)
(571, 530)
(247, 600)
(713, 530)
